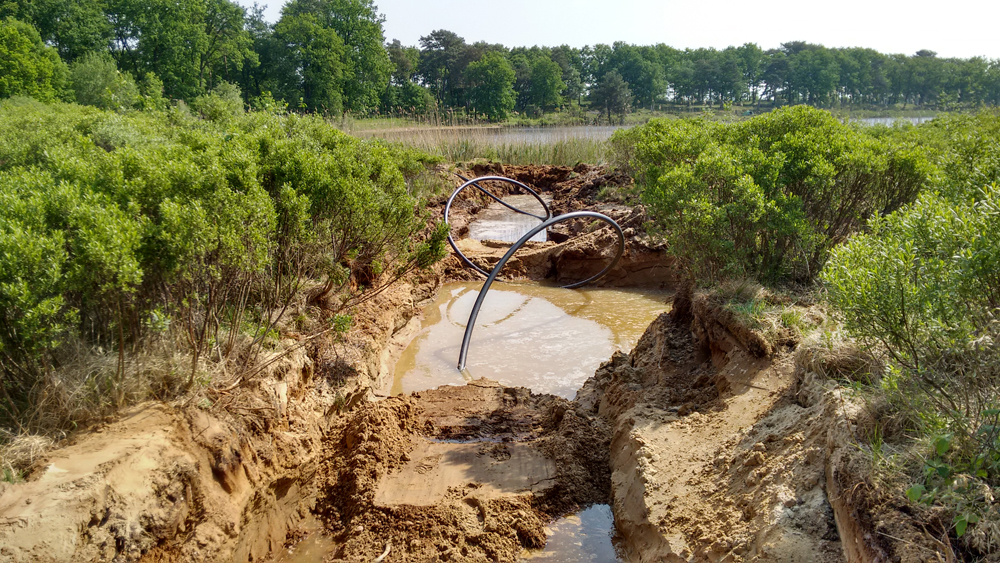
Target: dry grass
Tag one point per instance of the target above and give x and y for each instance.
(833, 355)
(462, 144)
(366, 125)
(19, 452)
(779, 318)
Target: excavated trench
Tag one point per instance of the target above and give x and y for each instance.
(635, 408)
(525, 455)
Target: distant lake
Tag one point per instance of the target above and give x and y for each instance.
(499, 136)
(889, 121)
(502, 135)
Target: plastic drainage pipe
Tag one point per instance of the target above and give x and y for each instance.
(464, 352)
(475, 183)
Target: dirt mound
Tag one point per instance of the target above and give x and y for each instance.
(229, 479)
(712, 457)
(467, 473)
(577, 249)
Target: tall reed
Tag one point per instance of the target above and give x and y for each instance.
(459, 144)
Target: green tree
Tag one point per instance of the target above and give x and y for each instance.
(612, 96)
(644, 78)
(28, 67)
(405, 61)
(546, 84)
(309, 65)
(752, 64)
(96, 81)
(73, 27)
(442, 56)
(189, 44)
(403, 93)
(571, 63)
(491, 86)
(365, 64)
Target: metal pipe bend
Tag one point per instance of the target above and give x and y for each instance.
(464, 352)
(475, 183)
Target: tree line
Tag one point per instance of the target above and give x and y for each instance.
(331, 56)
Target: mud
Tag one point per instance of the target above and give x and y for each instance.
(574, 251)
(469, 473)
(227, 482)
(709, 442)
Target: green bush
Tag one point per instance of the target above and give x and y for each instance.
(923, 287)
(211, 227)
(224, 102)
(767, 197)
(96, 81)
(28, 67)
(967, 149)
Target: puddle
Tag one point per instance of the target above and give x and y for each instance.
(435, 468)
(585, 536)
(547, 339)
(496, 222)
(313, 549)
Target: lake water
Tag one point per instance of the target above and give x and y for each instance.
(499, 135)
(889, 121)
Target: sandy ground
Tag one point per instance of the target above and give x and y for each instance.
(469, 473)
(709, 443)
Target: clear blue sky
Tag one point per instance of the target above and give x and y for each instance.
(959, 28)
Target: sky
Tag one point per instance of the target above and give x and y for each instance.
(959, 28)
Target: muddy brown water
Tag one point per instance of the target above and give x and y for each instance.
(587, 536)
(547, 339)
(496, 222)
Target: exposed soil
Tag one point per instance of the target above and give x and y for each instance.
(512, 462)
(710, 443)
(575, 251)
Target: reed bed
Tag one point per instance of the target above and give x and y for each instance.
(461, 144)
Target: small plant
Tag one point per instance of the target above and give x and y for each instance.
(951, 485)
(11, 475)
(301, 320)
(341, 323)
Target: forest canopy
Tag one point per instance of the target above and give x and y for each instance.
(332, 57)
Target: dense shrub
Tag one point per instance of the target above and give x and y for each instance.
(29, 67)
(967, 149)
(767, 197)
(96, 81)
(223, 102)
(923, 287)
(113, 225)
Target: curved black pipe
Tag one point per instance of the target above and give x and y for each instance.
(464, 351)
(475, 182)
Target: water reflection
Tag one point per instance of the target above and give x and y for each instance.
(496, 222)
(545, 338)
(583, 537)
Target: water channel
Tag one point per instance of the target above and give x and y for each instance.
(587, 536)
(496, 222)
(545, 338)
